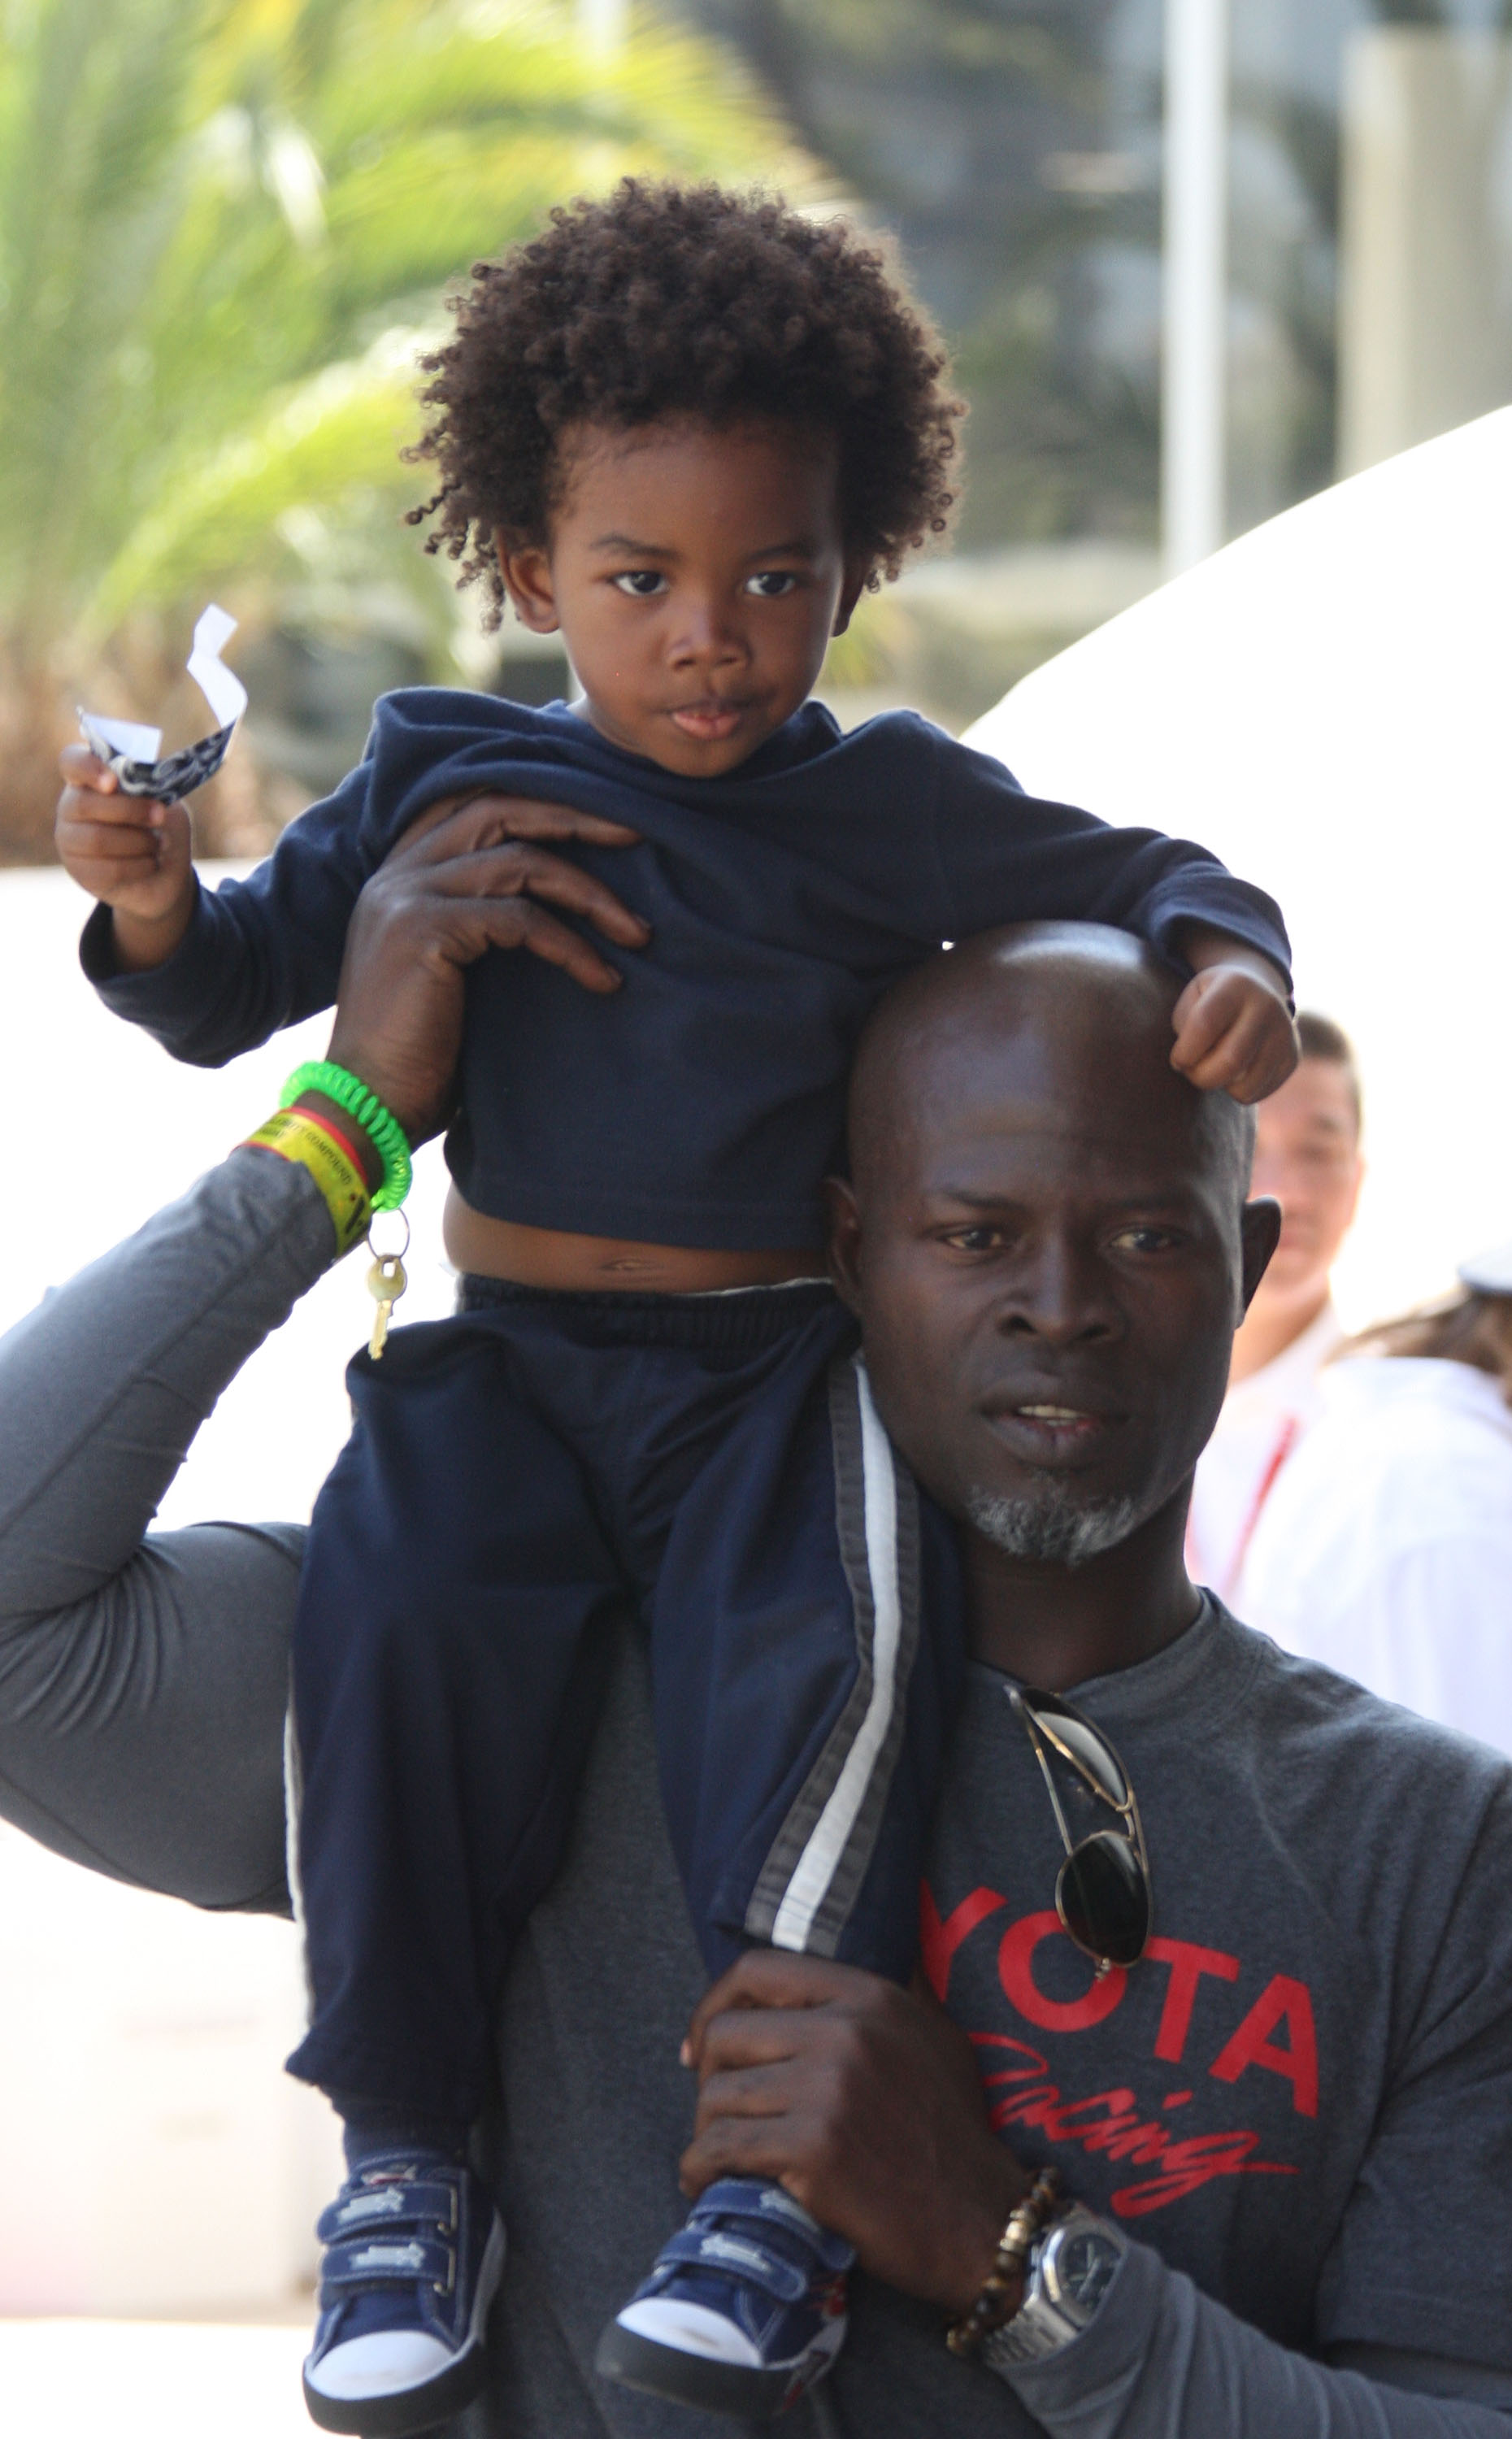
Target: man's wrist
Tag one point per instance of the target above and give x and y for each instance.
(1072, 2266)
(351, 1130)
(1001, 2187)
(330, 1159)
(1000, 2293)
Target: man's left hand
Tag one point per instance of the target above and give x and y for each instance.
(864, 2102)
(1233, 1030)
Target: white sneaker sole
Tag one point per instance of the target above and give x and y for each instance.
(756, 2392)
(401, 2413)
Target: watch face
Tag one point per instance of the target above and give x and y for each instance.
(1072, 2268)
(1085, 2260)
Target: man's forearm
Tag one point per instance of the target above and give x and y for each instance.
(114, 1372)
(1158, 2360)
(1162, 2361)
(144, 1682)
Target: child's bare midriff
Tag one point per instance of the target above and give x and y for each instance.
(549, 1257)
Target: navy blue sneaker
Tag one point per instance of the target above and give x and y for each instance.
(414, 2254)
(744, 2309)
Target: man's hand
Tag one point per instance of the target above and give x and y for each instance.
(461, 882)
(1233, 1030)
(129, 853)
(864, 2102)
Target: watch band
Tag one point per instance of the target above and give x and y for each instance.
(1071, 2269)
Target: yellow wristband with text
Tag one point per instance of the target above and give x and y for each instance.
(294, 1136)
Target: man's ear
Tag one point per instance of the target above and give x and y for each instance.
(526, 567)
(851, 590)
(1259, 1233)
(842, 1238)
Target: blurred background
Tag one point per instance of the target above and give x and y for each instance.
(1196, 262)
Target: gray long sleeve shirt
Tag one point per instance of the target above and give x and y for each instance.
(1299, 2106)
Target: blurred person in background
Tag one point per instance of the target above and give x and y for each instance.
(1307, 1156)
(1387, 1551)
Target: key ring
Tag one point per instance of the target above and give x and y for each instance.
(397, 1252)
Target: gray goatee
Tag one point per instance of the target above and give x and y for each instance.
(1059, 1529)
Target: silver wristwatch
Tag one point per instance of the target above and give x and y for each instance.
(1071, 2269)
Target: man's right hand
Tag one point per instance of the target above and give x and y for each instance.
(133, 854)
(865, 2102)
(462, 880)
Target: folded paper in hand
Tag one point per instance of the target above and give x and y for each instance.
(129, 748)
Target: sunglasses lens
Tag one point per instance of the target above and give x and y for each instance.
(1104, 1899)
(1079, 1737)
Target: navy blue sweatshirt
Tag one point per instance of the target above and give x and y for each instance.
(703, 1103)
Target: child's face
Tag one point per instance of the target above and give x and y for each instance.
(696, 577)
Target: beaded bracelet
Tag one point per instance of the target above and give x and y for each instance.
(297, 1135)
(998, 2301)
(350, 1094)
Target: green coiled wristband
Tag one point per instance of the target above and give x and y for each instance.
(350, 1094)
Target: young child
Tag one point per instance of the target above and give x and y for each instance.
(685, 429)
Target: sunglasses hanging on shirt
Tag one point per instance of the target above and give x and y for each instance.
(1103, 1888)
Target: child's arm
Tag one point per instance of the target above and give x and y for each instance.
(1233, 1022)
(1008, 857)
(210, 973)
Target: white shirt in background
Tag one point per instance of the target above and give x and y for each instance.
(1385, 1550)
(1263, 1421)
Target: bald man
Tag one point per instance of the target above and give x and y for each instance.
(1262, 2027)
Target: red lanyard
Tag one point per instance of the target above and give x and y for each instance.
(1285, 1441)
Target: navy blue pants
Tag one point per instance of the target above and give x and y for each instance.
(516, 1477)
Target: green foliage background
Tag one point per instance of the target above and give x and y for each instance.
(226, 226)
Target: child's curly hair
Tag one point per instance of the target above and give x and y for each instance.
(685, 300)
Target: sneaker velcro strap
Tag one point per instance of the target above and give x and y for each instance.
(385, 2208)
(760, 2207)
(738, 2255)
(752, 2197)
(381, 2259)
(832, 2249)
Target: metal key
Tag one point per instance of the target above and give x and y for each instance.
(386, 1283)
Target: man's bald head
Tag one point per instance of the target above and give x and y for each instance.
(1045, 1236)
(1068, 992)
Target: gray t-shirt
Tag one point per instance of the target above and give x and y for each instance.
(1330, 1880)
(1302, 2096)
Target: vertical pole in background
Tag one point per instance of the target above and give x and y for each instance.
(1195, 267)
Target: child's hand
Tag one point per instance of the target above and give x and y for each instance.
(129, 853)
(1233, 1030)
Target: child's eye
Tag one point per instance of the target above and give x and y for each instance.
(641, 582)
(771, 583)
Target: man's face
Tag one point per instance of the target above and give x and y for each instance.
(1306, 1154)
(1049, 1264)
(697, 576)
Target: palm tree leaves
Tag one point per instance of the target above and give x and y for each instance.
(341, 430)
(224, 225)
